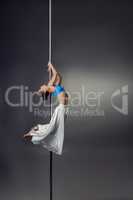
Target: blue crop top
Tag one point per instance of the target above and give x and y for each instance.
(58, 90)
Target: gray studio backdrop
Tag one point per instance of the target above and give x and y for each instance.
(92, 48)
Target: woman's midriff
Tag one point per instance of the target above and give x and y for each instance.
(62, 98)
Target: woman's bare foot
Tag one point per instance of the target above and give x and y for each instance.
(28, 135)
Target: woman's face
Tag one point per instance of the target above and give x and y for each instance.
(44, 88)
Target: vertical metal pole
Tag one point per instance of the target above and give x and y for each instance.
(50, 31)
(50, 57)
(51, 175)
(51, 162)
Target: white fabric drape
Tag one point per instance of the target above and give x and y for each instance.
(51, 135)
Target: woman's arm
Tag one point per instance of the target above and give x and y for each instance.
(54, 74)
(56, 77)
(52, 68)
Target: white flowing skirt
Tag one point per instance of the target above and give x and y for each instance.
(51, 135)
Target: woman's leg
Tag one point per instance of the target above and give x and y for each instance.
(41, 131)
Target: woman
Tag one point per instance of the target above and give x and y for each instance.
(51, 135)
